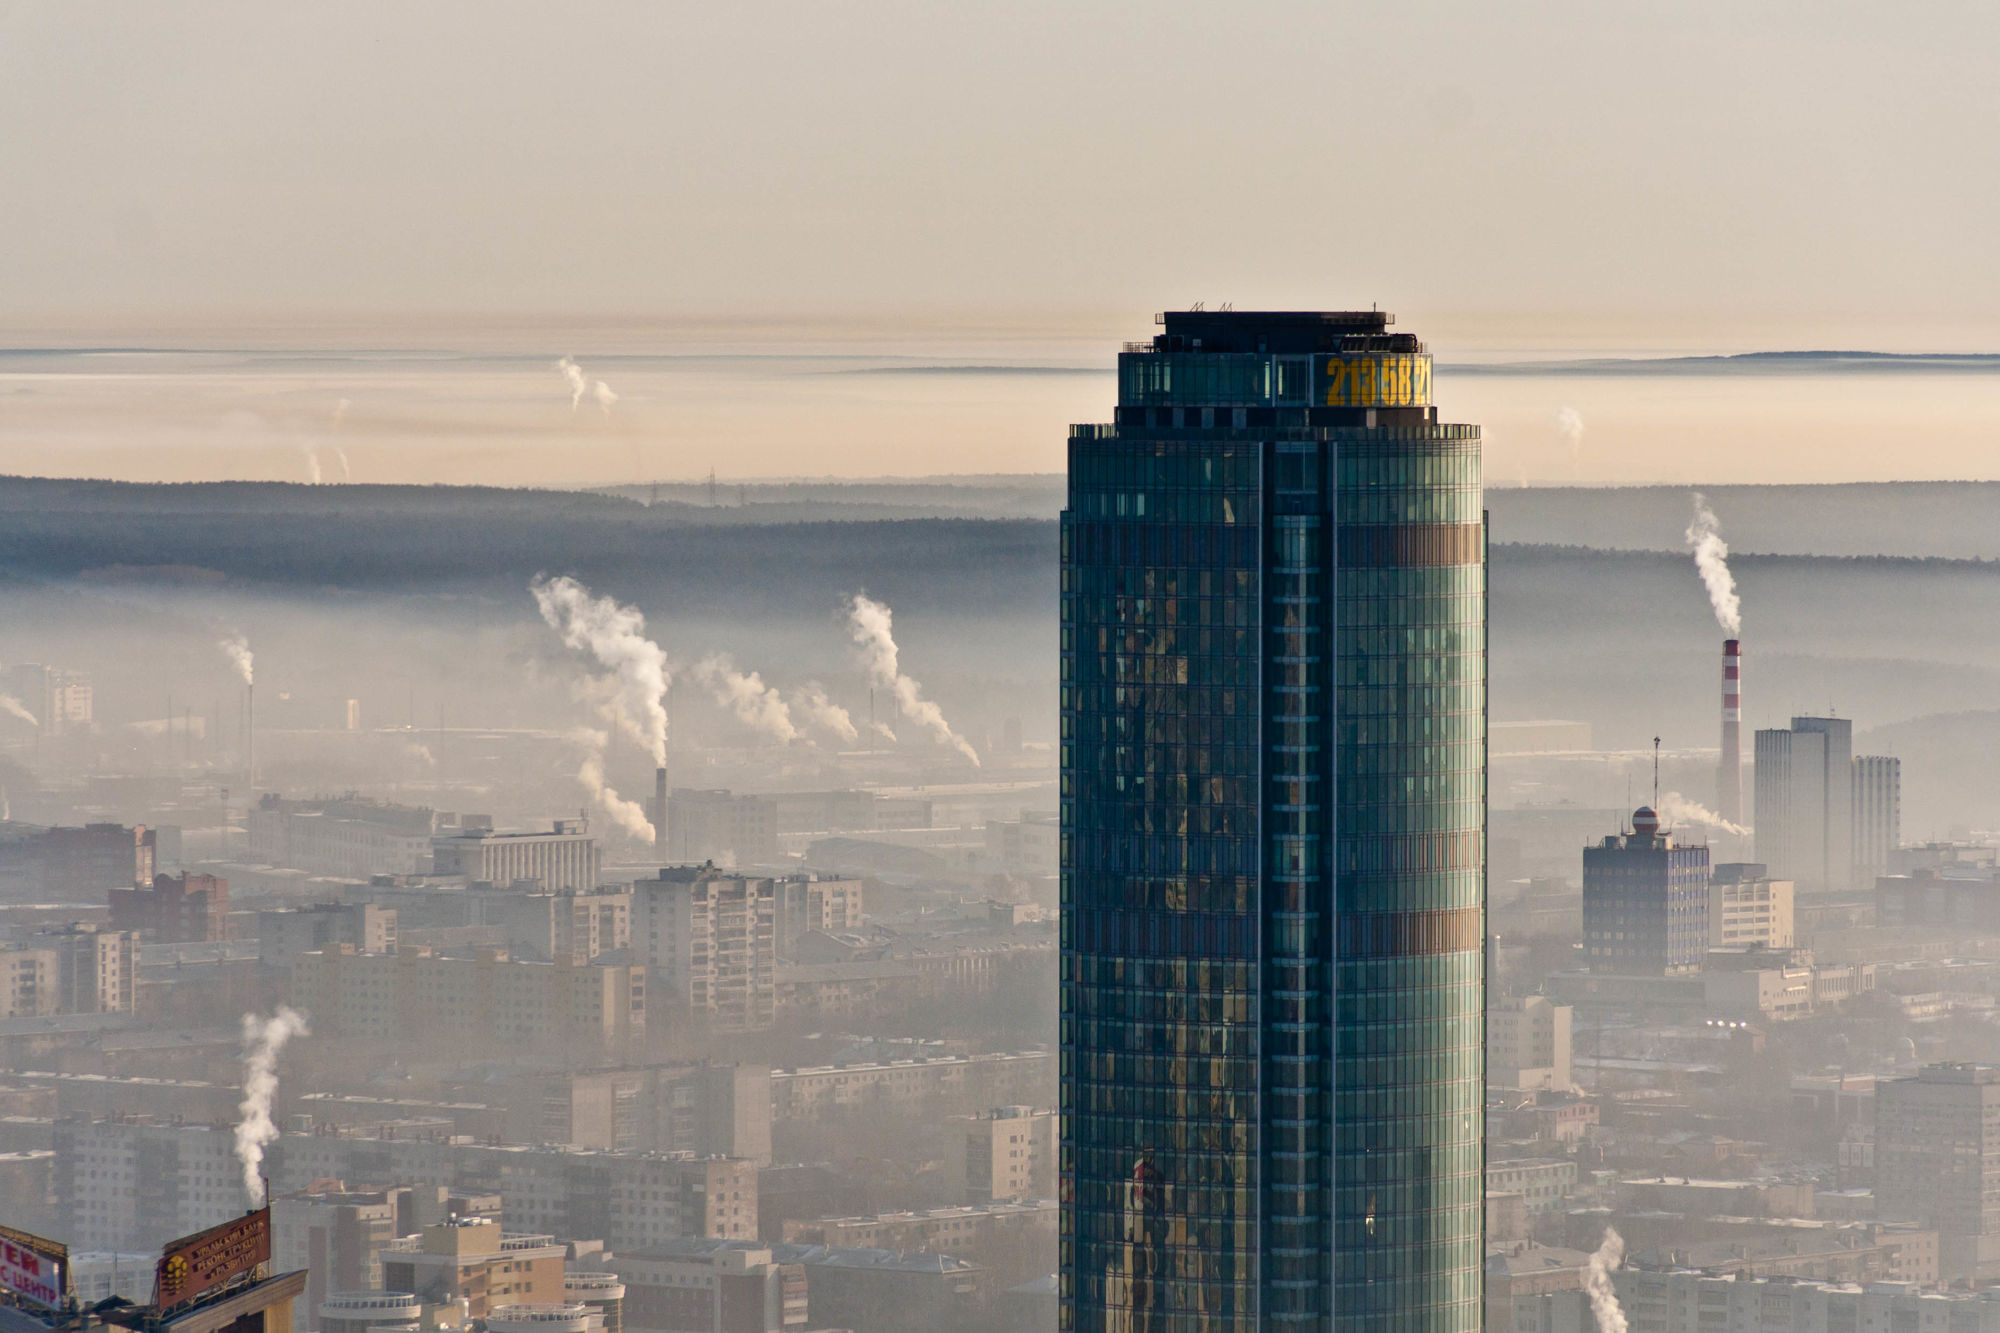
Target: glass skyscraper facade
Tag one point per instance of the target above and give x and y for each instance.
(1273, 841)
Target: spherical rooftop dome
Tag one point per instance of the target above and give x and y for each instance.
(1645, 822)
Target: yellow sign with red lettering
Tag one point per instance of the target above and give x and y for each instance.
(1384, 379)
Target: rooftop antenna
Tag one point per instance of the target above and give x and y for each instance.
(1656, 775)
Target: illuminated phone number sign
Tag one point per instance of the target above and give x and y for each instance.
(1389, 379)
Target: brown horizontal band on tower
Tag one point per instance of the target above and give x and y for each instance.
(1411, 544)
(1402, 934)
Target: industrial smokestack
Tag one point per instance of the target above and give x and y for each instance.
(1729, 773)
(250, 738)
(660, 810)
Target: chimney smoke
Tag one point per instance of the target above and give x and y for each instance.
(660, 810)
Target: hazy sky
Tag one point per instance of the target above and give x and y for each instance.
(1638, 174)
(1024, 182)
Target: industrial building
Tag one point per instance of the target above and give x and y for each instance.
(566, 857)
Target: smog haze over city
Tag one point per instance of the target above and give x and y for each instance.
(1160, 669)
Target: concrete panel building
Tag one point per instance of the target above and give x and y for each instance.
(1878, 815)
(491, 998)
(1937, 1161)
(1747, 909)
(709, 939)
(1528, 1045)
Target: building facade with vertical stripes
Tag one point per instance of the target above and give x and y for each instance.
(1273, 838)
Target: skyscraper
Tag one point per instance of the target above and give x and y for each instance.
(1878, 815)
(1805, 803)
(1273, 842)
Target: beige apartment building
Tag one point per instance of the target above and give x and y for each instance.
(469, 1259)
(1747, 909)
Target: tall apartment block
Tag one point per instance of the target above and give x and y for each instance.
(710, 938)
(1805, 803)
(1937, 1161)
(1878, 815)
(1273, 683)
(1645, 902)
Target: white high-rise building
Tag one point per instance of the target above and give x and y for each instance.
(1878, 815)
(1805, 803)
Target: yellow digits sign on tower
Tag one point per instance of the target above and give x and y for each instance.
(1382, 379)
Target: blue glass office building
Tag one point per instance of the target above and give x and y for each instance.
(1273, 843)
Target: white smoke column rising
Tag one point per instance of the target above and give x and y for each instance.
(1570, 422)
(1711, 560)
(1597, 1283)
(312, 464)
(627, 815)
(1678, 809)
(745, 694)
(237, 649)
(868, 624)
(263, 1038)
(581, 384)
(616, 636)
(14, 708)
(578, 385)
(811, 703)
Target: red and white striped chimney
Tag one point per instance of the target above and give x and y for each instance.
(1729, 774)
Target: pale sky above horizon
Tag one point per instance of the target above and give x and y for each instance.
(1023, 183)
(1569, 170)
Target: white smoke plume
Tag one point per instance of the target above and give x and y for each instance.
(1711, 560)
(421, 753)
(311, 456)
(578, 385)
(237, 649)
(745, 694)
(627, 815)
(581, 384)
(6, 808)
(340, 456)
(1678, 809)
(263, 1038)
(1597, 1283)
(811, 703)
(616, 636)
(868, 624)
(1570, 422)
(14, 708)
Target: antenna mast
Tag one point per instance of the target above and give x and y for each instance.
(1656, 775)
